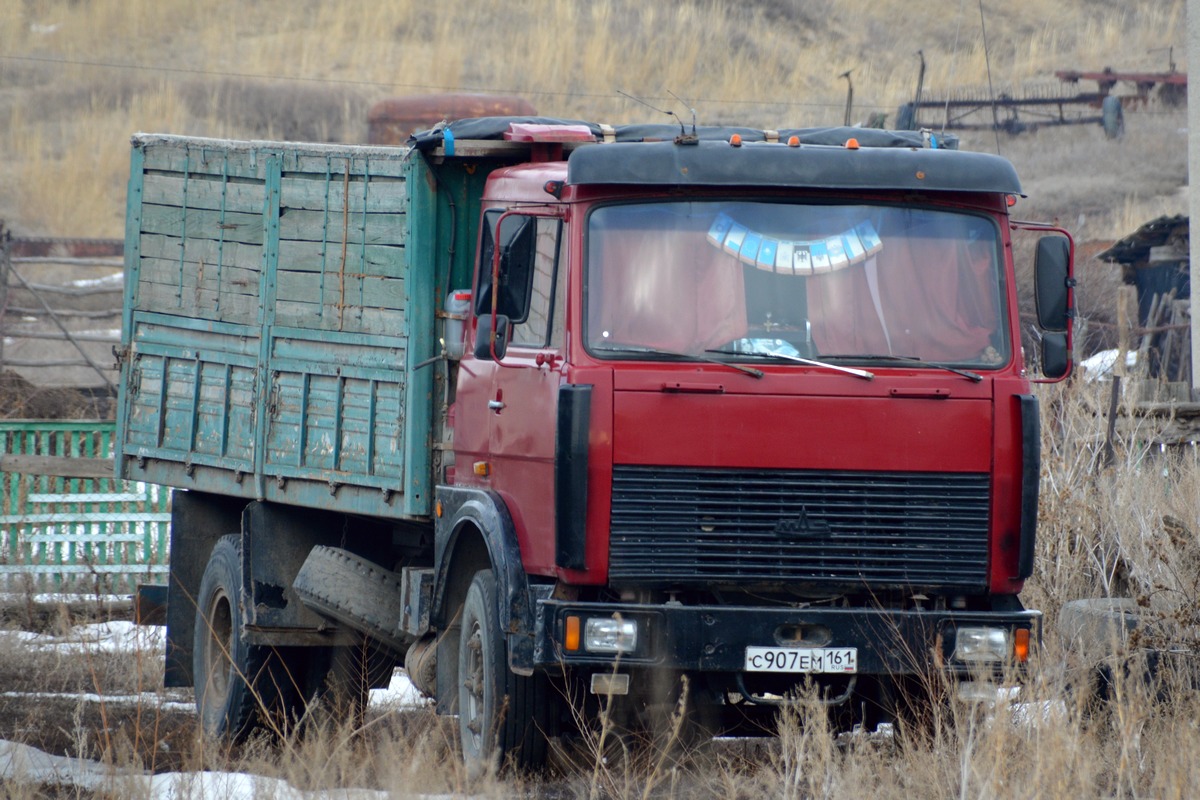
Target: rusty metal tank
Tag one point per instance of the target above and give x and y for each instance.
(393, 120)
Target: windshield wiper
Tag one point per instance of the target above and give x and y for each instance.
(973, 376)
(654, 351)
(858, 373)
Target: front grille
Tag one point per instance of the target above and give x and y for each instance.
(831, 530)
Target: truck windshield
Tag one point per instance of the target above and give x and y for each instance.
(752, 278)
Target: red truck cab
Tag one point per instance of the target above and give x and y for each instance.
(747, 411)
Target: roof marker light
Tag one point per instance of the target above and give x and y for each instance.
(736, 140)
(852, 143)
(793, 141)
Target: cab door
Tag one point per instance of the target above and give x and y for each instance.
(522, 406)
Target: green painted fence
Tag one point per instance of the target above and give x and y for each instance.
(65, 526)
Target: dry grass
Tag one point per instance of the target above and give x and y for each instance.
(1126, 528)
(78, 78)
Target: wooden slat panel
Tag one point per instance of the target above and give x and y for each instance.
(224, 418)
(204, 192)
(233, 280)
(237, 344)
(360, 161)
(177, 419)
(141, 427)
(332, 442)
(385, 322)
(202, 224)
(347, 290)
(315, 226)
(202, 251)
(312, 192)
(381, 260)
(199, 303)
(175, 157)
(66, 467)
(383, 358)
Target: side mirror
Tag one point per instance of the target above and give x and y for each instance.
(511, 264)
(516, 265)
(487, 326)
(1052, 275)
(1056, 359)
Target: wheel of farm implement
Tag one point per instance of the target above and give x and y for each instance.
(1112, 117)
(240, 687)
(502, 717)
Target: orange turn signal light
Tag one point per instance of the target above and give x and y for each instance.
(571, 639)
(1021, 644)
(481, 468)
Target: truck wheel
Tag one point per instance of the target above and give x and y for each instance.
(502, 716)
(239, 686)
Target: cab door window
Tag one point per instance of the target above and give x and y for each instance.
(529, 273)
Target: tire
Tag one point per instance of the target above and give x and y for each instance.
(355, 592)
(503, 717)
(1098, 628)
(1112, 117)
(1095, 633)
(240, 687)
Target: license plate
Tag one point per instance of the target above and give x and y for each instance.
(802, 659)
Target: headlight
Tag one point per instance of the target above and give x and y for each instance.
(609, 635)
(981, 644)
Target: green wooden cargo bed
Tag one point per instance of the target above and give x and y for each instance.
(280, 319)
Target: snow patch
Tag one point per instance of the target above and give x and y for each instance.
(1099, 367)
(107, 281)
(24, 764)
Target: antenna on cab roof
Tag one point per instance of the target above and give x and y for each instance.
(683, 137)
(689, 108)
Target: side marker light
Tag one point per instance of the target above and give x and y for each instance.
(571, 638)
(1021, 645)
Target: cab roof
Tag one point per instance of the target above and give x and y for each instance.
(658, 155)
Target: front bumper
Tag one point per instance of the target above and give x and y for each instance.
(713, 639)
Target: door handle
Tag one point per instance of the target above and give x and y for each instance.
(496, 405)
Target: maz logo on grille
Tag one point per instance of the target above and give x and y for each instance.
(802, 527)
